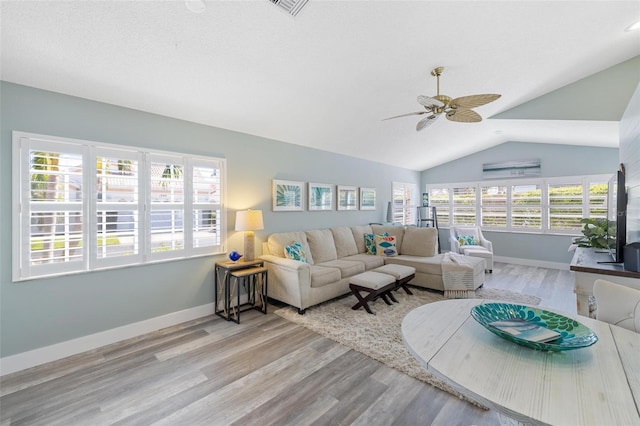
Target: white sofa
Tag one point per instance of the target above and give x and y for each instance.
(336, 254)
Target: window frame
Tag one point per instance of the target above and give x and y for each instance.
(543, 183)
(409, 207)
(23, 267)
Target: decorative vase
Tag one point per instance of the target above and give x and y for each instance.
(234, 256)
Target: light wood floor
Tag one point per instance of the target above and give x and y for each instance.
(264, 371)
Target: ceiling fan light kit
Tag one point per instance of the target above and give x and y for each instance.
(458, 109)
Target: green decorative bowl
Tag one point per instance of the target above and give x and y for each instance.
(573, 335)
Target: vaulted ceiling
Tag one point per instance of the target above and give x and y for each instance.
(327, 77)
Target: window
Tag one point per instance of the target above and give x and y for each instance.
(550, 205)
(565, 205)
(83, 206)
(464, 205)
(493, 206)
(526, 207)
(439, 198)
(405, 203)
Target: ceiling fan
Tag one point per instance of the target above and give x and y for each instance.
(458, 109)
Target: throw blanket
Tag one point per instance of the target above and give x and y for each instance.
(457, 275)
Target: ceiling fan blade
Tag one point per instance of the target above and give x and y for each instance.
(427, 121)
(473, 101)
(462, 115)
(429, 103)
(406, 115)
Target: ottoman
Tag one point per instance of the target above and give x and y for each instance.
(462, 275)
(402, 274)
(479, 251)
(373, 283)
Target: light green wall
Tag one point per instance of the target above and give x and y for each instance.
(42, 312)
(555, 161)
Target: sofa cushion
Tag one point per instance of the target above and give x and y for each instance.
(322, 245)
(420, 241)
(295, 251)
(347, 268)
(345, 243)
(277, 243)
(424, 265)
(370, 262)
(322, 275)
(395, 231)
(386, 245)
(358, 235)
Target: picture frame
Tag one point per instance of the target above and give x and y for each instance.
(320, 196)
(288, 196)
(347, 197)
(367, 198)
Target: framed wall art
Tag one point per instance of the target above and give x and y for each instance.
(367, 198)
(288, 196)
(320, 196)
(347, 197)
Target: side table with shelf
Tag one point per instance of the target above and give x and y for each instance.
(229, 277)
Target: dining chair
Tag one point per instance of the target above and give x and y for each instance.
(617, 304)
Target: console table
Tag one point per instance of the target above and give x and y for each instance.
(596, 385)
(588, 270)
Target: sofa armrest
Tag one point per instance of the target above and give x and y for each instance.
(289, 280)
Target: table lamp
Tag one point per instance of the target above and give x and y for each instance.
(249, 221)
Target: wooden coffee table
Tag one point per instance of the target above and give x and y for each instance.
(597, 385)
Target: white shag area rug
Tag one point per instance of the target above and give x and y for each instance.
(379, 336)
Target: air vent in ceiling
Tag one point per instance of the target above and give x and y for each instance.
(291, 6)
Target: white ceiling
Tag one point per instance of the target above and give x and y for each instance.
(327, 77)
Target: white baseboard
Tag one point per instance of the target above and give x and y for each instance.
(532, 262)
(24, 360)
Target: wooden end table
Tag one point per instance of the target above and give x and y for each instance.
(229, 278)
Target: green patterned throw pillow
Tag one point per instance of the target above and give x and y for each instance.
(370, 243)
(295, 251)
(467, 240)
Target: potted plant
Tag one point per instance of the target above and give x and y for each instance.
(595, 233)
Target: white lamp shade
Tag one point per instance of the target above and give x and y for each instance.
(249, 220)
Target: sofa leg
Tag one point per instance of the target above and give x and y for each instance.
(301, 311)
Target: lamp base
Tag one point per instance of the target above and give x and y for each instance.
(249, 248)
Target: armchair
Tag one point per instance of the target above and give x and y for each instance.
(617, 304)
(468, 240)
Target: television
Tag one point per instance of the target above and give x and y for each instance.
(617, 216)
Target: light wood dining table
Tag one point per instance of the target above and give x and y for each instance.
(596, 385)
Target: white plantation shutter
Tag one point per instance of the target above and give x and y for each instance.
(405, 202)
(118, 207)
(464, 205)
(526, 207)
(167, 212)
(52, 218)
(565, 206)
(493, 206)
(439, 198)
(207, 204)
(82, 205)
